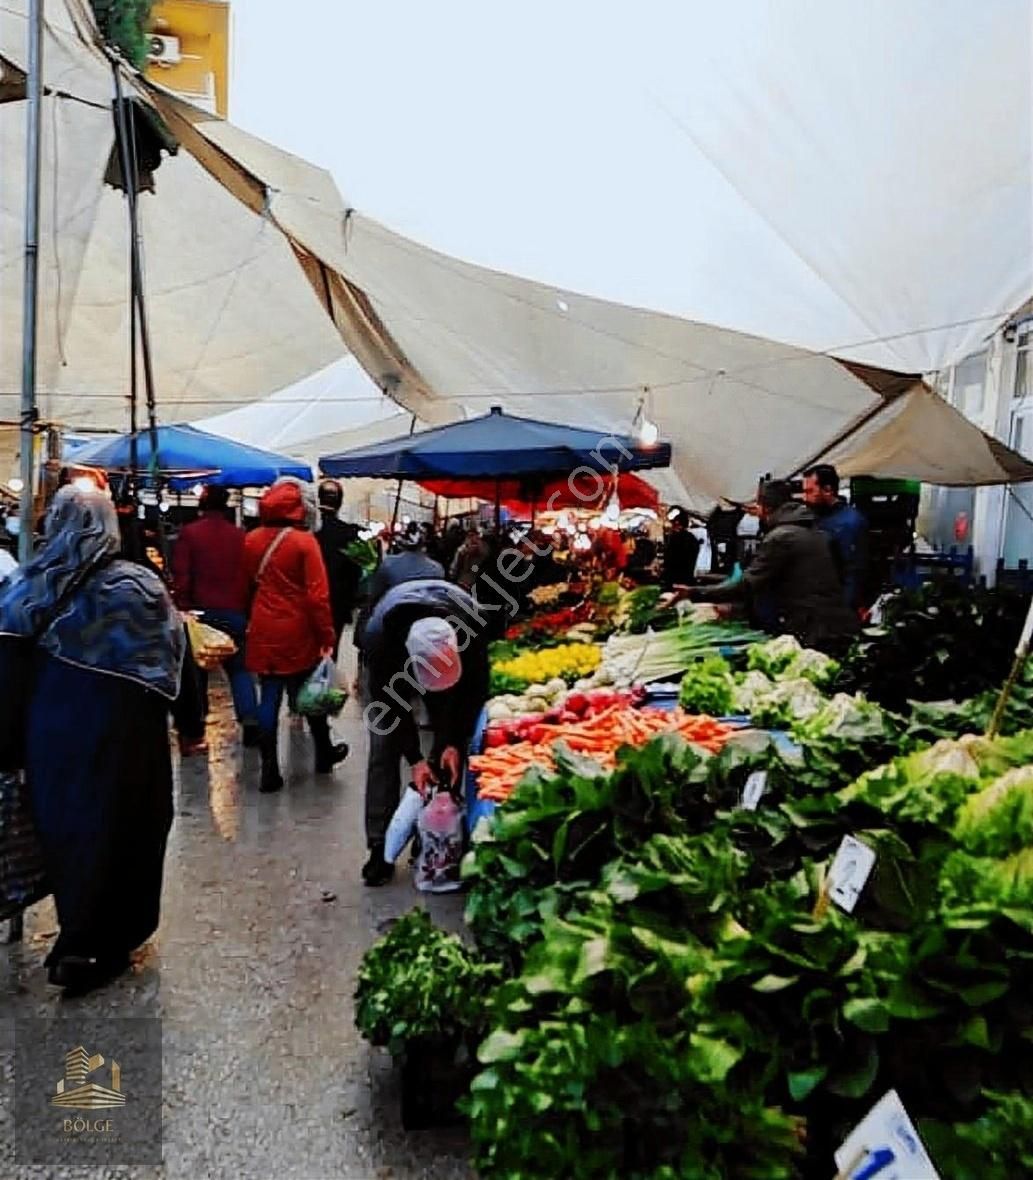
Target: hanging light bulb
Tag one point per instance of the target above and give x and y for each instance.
(648, 432)
(16, 485)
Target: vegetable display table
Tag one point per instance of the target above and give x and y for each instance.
(477, 808)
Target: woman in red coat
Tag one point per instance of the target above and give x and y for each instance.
(291, 626)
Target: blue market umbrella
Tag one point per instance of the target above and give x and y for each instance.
(186, 454)
(497, 446)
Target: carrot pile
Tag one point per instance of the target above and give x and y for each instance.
(501, 768)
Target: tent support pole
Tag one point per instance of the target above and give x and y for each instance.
(398, 493)
(394, 514)
(498, 511)
(125, 134)
(30, 293)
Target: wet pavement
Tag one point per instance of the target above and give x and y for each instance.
(252, 971)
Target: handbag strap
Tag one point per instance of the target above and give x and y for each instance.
(274, 545)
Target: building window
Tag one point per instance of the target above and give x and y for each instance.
(1018, 520)
(1024, 365)
(970, 385)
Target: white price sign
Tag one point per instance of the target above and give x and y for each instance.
(850, 871)
(754, 788)
(885, 1146)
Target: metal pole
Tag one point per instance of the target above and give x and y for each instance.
(30, 290)
(1017, 668)
(398, 493)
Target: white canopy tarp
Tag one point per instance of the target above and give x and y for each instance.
(846, 176)
(232, 317)
(253, 259)
(441, 331)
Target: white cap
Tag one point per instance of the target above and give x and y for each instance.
(434, 654)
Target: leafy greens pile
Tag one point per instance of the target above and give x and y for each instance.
(418, 982)
(659, 990)
(685, 1014)
(944, 640)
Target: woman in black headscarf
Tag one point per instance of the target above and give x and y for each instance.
(91, 653)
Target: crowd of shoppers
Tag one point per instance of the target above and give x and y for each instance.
(92, 649)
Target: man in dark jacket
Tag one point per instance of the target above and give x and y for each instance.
(681, 552)
(793, 569)
(846, 528)
(407, 564)
(425, 640)
(343, 573)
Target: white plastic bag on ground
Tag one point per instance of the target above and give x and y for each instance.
(440, 828)
(403, 824)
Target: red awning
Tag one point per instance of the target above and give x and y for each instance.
(584, 490)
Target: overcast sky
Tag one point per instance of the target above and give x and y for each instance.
(815, 170)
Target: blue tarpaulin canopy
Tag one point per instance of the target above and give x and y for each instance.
(497, 446)
(188, 454)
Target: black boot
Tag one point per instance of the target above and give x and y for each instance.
(79, 975)
(272, 780)
(377, 871)
(328, 754)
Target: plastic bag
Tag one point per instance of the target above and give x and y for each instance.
(440, 827)
(210, 646)
(403, 824)
(320, 695)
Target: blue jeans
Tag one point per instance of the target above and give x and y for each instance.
(271, 701)
(242, 683)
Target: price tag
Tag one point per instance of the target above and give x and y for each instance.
(850, 870)
(885, 1146)
(755, 787)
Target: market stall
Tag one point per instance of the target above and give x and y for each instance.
(502, 452)
(729, 932)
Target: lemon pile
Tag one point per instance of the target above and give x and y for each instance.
(569, 661)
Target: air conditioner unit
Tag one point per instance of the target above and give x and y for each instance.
(162, 50)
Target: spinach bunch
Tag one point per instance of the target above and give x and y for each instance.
(943, 640)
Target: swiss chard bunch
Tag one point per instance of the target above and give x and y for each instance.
(560, 829)
(596, 1066)
(419, 982)
(996, 1146)
(931, 720)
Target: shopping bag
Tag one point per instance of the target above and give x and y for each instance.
(440, 828)
(209, 645)
(22, 875)
(320, 695)
(403, 824)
